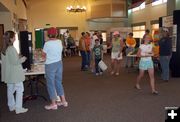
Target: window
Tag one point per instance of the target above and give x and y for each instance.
(142, 6)
(158, 2)
(155, 29)
(104, 36)
(138, 31)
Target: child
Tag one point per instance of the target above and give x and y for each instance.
(130, 43)
(97, 54)
(13, 73)
(146, 63)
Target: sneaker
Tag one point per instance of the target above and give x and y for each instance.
(21, 110)
(155, 93)
(12, 108)
(112, 73)
(58, 99)
(137, 87)
(51, 107)
(117, 73)
(100, 73)
(97, 74)
(65, 104)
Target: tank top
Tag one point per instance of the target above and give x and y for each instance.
(116, 45)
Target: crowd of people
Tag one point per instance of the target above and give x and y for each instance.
(91, 50)
(145, 53)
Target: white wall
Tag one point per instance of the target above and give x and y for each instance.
(177, 4)
(6, 20)
(148, 14)
(18, 9)
(103, 26)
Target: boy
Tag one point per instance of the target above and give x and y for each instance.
(97, 54)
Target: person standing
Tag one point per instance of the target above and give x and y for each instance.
(83, 51)
(165, 52)
(146, 63)
(54, 69)
(98, 54)
(13, 74)
(147, 32)
(88, 51)
(130, 43)
(117, 45)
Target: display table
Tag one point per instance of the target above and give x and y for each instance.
(33, 77)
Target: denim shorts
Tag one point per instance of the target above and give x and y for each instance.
(145, 65)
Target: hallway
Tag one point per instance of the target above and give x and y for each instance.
(103, 98)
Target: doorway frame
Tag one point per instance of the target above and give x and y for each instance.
(2, 27)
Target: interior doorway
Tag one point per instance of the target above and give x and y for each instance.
(1, 35)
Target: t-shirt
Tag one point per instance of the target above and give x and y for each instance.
(53, 50)
(165, 45)
(145, 49)
(130, 42)
(93, 41)
(97, 51)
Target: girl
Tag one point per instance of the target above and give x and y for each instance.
(13, 73)
(146, 63)
(116, 53)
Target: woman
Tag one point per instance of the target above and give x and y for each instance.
(13, 74)
(146, 63)
(165, 46)
(116, 53)
(53, 70)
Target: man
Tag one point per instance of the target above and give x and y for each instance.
(83, 51)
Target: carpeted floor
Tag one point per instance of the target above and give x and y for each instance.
(103, 98)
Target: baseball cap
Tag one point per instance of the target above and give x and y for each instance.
(52, 31)
(116, 33)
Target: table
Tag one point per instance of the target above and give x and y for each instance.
(33, 79)
(135, 61)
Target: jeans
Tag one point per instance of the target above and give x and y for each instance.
(128, 50)
(53, 73)
(164, 61)
(11, 89)
(84, 59)
(98, 70)
(88, 55)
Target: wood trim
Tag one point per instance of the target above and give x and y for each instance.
(2, 27)
(138, 24)
(154, 22)
(25, 4)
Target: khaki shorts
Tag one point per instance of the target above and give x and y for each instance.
(114, 55)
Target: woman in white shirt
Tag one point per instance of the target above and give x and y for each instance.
(146, 63)
(54, 69)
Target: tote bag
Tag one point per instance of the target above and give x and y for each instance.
(102, 65)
